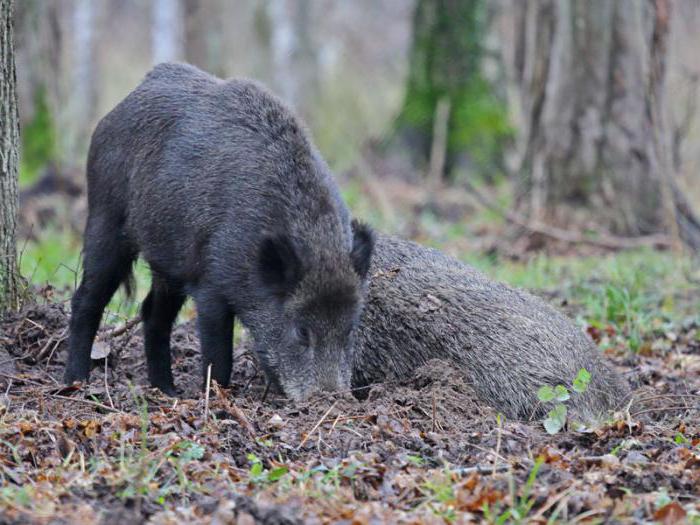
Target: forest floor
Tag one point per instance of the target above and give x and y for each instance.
(423, 451)
(116, 451)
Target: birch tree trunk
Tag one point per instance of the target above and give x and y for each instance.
(77, 119)
(9, 162)
(594, 140)
(294, 56)
(167, 31)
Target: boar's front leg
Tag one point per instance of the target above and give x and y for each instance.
(159, 311)
(215, 320)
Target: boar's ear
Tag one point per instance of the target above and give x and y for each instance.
(279, 265)
(362, 247)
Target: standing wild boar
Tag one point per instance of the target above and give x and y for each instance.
(424, 305)
(218, 187)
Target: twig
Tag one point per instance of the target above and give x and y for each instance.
(611, 242)
(21, 379)
(236, 412)
(438, 150)
(488, 451)
(553, 501)
(8, 399)
(351, 430)
(44, 349)
(36, 324)
(592, 460)
(206, 394)
(15, 359)
(342, 419)
(334, 424)
(53, 351)
(348, 391)
(242, 419)
(665, 396)
(111, 403)
(585, 515)
(499, 436)
(663, 409)
(88, 402)
(318, 424)
(482, 469)
(116, 332)
(267, 391)
(352, 418)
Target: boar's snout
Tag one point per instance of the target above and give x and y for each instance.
(334, 380)
(325, 379)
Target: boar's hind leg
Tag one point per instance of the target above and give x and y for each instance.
(107, 260)
(159, 311)
(215, 337)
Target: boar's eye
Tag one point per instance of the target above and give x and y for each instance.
(303, 336)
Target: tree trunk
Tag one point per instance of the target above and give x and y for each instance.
(77, 120)
(445, 71)
(167, 31)
(593, 137)
(38, 44)
(204, 28)
(9, 162)
(294, 57)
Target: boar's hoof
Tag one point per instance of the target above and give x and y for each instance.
(71, 377)
(168, 389)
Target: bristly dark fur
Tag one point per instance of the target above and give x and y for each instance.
(424, 305)
(362, 247)
(190, 172)
(281, 268)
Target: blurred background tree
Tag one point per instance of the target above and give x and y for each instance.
(39, 41)
(563, 113)
(446, 88)
(591, 81)
(595, 139)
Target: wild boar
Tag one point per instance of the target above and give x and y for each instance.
(423, 305)
(217, 185)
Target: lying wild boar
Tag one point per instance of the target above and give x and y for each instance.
(219, 188)
(424, 305)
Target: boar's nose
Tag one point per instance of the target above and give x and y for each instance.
(328, 383)
(332, 381)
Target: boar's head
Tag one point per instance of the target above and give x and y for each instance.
(316, 303)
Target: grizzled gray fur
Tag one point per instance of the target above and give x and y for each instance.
(219, 188)
(425, 305)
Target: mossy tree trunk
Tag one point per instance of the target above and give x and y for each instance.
(9, 162)
(594, 141)
(445, 81)
(38, 57)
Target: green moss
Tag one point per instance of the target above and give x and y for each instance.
(54, 258)
(445, 63)
(635, 293)
(38, 141)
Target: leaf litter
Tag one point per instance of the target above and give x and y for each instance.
(421, 451)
